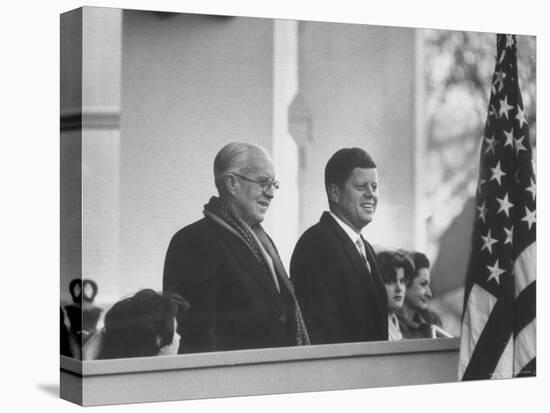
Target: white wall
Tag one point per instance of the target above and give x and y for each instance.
(190, 84)
(90, 130)
(164, 92)
(357, 89)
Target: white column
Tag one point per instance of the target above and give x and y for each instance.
(420, 155)
(101, 90)
(283, 219)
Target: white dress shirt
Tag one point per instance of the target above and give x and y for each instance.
(355, 238)
(394, 332)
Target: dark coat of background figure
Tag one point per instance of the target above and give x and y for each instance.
(234, 301)
(420, 326)
(341, 302)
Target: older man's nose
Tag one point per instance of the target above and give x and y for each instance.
(270, 192)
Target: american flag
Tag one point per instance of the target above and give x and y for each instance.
(498, 337)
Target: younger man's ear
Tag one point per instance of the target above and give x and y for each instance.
(333, 193)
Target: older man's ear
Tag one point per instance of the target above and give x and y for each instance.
(231, 183)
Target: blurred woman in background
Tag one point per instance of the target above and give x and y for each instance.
(139, 326)
(395, 268)
(416, 319)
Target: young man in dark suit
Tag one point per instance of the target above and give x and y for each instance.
(333, 269)
(227, 267)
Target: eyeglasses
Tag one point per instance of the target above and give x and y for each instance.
(265, 184)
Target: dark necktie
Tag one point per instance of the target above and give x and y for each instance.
(361, 248)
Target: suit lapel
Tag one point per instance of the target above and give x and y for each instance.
(356, 259)
(351, 250)
(246, 257)
(375, 274)
(281, 273)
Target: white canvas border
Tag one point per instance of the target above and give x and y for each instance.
(30, 210)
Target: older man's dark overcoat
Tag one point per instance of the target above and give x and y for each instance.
(234, 301)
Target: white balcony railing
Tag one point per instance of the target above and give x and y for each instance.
(262, 371)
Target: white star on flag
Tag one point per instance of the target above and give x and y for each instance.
(505, 205)
(529, 217)
(495, 272)
(532, 188)
(509, 235)
(491, 143)
(509, 138)
(518, 145)
(504, 107)
(520, 116)
(497, 173)
(488, 242)
(482, 211)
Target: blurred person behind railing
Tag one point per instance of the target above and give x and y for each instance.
(82, 313)
(395, 268)
(416, 319)
(68, 342)
(138, 326)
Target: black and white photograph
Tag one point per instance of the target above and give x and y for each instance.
(293, 208)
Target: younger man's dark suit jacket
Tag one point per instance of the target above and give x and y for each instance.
(234, 301)
(340, 300)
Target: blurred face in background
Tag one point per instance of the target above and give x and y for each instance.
(88, 291)
(77, 290)
(396, 291)
(418, 293)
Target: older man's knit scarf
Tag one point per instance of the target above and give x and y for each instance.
(226, 212)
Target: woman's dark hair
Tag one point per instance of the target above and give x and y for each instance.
(390, 261)
(419, 260)
(343, 162)
(133, 324)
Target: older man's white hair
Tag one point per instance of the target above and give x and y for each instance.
(232, 158)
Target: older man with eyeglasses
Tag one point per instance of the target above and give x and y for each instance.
(228, 268)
